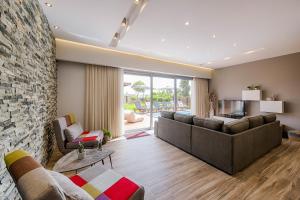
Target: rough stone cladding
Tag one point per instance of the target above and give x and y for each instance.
(27, 85)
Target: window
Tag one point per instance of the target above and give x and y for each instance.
(146, 94)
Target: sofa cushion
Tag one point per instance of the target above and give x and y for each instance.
(167, 114)
(255, 121)
(73, 131)
(236, 126)
(32, 180)
(268, 118)
(71, 191)
(188, 119)
(213, 124)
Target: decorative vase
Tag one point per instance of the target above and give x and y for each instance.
(81, 155)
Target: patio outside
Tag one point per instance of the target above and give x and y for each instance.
(137, 99)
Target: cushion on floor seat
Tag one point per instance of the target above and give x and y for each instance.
(103, 183)
(36, 183)
(32, 180)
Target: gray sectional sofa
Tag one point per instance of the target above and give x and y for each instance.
(230, 147)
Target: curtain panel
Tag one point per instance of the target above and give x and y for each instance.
(103, 99)
(200, 97)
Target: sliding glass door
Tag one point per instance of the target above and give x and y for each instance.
(137, 102)
(183, 94)
(163, 96)
(147, 94)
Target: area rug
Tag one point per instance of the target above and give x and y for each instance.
(136, 135)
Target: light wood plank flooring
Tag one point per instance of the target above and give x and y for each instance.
(169, 173)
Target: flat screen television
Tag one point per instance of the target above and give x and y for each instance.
(231, 108)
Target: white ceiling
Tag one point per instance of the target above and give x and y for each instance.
(269, 27)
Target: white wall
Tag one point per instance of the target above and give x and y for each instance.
(83, 53)
(71, 89)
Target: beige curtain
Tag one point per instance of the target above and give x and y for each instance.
(200, 97)
(103, 100)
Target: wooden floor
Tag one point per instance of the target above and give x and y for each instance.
(169, 173)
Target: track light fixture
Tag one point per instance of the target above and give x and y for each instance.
(124, 22)
(116, 36)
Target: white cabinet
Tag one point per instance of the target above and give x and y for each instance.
(251, 95)
(272, 106)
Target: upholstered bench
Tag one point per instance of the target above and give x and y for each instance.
(34, 182)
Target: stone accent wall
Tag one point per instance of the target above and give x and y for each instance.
(27, 85)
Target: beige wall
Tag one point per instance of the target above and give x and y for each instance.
(71, 89)
(280, 75)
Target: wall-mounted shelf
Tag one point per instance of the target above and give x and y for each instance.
(272, 106)
(251, 95)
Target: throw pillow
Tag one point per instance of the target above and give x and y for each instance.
(71, 191)
(213, 124)
(72, 118)
(268, 118)
(188, 119)
(236, 126)
(255, 121)
(68, 120)
(167, 114)
(73, 131)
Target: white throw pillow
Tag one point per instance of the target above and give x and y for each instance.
(71, 191)
(73, 131)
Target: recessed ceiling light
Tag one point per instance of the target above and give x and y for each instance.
(209, 63)
(124, 21)
(213, 36)
(116, 36)
(187, 23)
(227, 58)
(55, 27)
(48, 4)
(163, 40)
(136, 1)
(187, 47)
(234, 44)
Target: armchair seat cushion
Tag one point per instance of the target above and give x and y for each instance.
(89, 140)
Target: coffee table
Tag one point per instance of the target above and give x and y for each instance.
(70, 162)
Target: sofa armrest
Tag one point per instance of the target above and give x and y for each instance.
(213, 147)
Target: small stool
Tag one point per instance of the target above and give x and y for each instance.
(294, 135)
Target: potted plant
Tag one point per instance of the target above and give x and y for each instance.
(106, 136)
(81, 152)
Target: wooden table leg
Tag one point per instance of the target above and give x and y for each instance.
(102, 162)
(110, 161)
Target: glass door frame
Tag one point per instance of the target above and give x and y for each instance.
(151, 75)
